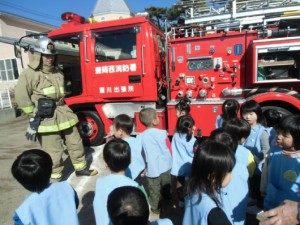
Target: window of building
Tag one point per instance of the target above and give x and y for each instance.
(8, 70)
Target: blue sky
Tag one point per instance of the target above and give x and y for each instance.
(49, 11)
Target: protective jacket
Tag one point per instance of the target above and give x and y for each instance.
(45, 82)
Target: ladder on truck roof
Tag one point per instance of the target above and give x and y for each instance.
(238, 13)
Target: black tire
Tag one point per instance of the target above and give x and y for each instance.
(91, 128)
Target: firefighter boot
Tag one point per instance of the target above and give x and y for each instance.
(86, 172)
(55, 177)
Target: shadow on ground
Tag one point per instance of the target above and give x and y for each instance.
(86, 213)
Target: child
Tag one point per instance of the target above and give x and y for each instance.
(240, 129)
(122, 128)
(128, 206)
(234, 202)
(284, 166)
(183, 107)
(258, 144)
(272, 117)
(116, 154)
(230, 109)
(49, 203)
(258, 140)
(158, 157)
(202, 205)
(182, 147)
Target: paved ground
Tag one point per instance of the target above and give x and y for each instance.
(13, 142)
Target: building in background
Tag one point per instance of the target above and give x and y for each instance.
(13, 27)
(105, 10)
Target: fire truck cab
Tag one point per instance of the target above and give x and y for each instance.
(110, 68)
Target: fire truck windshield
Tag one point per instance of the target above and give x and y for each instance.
(115, 45)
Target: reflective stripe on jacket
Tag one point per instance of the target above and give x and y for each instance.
(46, 83)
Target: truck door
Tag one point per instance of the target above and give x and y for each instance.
(115, 69)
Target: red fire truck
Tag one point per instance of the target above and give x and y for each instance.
(125, 65)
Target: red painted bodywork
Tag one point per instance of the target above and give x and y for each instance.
(224, 60)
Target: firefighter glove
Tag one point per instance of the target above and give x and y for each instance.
(31, 131)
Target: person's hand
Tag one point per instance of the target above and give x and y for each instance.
(143, 174)
(109, 138)
(285, 214)
(31, 131)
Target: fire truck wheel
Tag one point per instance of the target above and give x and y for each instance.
(90, 127)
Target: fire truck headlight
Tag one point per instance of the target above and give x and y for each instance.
(203, 93)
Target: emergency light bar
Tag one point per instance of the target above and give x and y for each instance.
(73, 17)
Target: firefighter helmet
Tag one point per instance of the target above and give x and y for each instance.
(44, 45)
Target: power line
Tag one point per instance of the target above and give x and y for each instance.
(30, 11)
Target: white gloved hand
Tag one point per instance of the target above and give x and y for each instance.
(31, 131)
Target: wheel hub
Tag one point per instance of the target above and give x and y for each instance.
(86, 129)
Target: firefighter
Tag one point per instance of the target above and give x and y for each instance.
(40, 94)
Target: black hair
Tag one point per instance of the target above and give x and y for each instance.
(253, 106)
(32, 169)
(211, 163)
(123, 122)
(230, 109)
(185, 125)
(238, 128)
(127, 205)
(222, 136)
(116, 154)
(272, 117)
(183, 105)
(290, 124)
(147, 115)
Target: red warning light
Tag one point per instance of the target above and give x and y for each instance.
(72, 17)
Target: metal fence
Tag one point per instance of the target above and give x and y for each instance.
(5, 100)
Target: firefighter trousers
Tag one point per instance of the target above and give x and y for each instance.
(52, 143)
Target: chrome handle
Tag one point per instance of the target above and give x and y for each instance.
(85, 48)
(143, 61)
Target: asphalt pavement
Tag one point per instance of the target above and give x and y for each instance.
(13, 143)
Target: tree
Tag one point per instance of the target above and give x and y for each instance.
(175, 15)
(157, 15)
